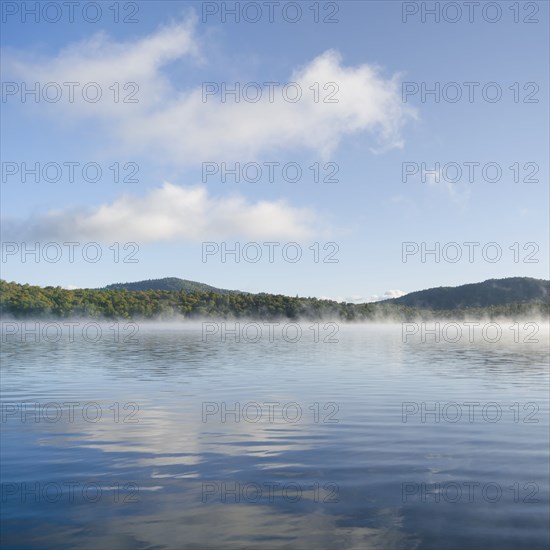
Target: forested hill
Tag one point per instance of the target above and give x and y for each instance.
(26, 301)
(171, 284)
(494, 292)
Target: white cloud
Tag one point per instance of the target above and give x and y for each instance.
(171, 212)
(175, 124)
(103, 61)
(393, 293)
(435, 178)
(190, 127)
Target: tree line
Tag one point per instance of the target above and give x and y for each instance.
(26, 301)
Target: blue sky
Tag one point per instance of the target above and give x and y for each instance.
(164, 61)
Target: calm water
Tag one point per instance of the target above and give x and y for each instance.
(321, 455)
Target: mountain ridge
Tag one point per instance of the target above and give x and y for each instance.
(491, 292)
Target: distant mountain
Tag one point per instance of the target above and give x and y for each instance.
(494, 292)
(172, 284)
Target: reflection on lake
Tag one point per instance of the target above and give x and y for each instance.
(171, 441)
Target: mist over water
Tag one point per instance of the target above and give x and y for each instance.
(171, 436)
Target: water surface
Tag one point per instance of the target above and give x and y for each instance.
(165, 440)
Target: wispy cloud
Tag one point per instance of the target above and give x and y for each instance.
(173, 122)
(104, 61)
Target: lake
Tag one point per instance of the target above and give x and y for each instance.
(295, 436)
